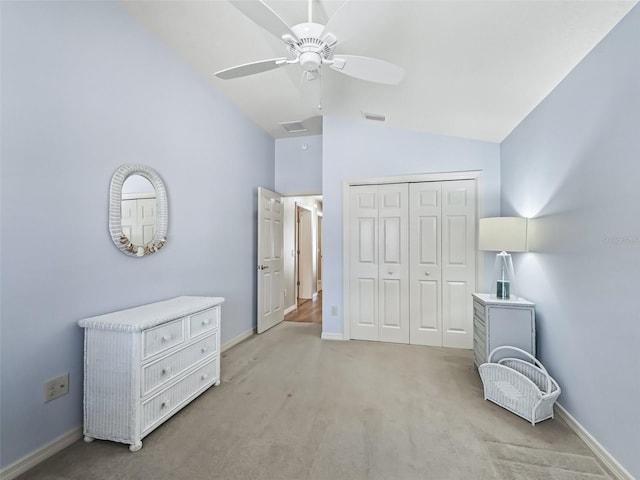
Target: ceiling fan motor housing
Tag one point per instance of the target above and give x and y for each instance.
(310, 50)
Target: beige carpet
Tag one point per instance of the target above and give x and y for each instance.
(291, 406)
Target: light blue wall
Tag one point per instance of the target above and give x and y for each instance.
(574, 164)
(298, 171)
(84, 90)
(356, 150)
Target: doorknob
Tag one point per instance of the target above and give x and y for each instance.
(427, 273)
(262, 267)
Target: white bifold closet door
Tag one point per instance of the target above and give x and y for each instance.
(412, 262)
(379, 263)
(442, 262)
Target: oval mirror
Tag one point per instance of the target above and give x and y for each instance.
(138, 212)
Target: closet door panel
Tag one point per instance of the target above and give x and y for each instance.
(458, 268)
(394, 263)
(425, 263)
(363, 281)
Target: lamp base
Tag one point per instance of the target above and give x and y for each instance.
(503, 289)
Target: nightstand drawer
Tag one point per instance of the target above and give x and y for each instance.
(479, 310)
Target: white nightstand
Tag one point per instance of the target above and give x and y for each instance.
(498, 322)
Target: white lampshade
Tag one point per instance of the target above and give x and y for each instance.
(503, 234)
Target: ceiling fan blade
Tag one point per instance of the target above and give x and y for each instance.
(319, 13)
(310, 89)
(344, 23)
(251, 68)
(263, 15)
(367, 68)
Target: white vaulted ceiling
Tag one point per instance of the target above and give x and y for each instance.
(474, 68)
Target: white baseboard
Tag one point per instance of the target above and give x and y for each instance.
(291, 309)
(332, 336)
(237, 339)
(314, 297)
(605, 457)
(32, 459)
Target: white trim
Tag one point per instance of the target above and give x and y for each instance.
(39, 455)
(332, 336)
(237, 339)
(420, 177)
(291, 309)
(314, 296)
(605, 457)
(475, 175)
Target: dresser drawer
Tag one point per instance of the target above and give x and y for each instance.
(161, 371)
(479, 310)
(479, 326)
(479, 347)
(165, 403)
(203, 322)
(159, 339)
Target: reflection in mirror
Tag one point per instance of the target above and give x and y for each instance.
(138, 210)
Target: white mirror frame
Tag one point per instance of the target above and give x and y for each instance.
(115, 210)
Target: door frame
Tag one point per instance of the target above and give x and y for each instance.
(475, 175)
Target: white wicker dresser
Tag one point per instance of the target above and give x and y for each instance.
(144, 364)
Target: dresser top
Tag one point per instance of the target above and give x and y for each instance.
(489, 299)
(150, 315)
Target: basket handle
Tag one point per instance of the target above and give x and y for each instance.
(526, 354)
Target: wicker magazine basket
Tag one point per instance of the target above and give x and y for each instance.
(521, 387)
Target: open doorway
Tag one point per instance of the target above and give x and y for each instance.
(303, 259)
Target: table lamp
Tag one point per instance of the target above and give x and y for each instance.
(503, 234)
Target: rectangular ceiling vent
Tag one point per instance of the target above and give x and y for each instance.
(293, 127)
(374, 116)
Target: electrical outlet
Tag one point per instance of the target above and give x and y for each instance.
(56, 387)
(334, 310)
(285, 292)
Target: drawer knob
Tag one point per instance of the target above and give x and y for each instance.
(165, 404)
(426, 274)
(166, 370)
(205, 376)
(166, 338)
(206, 322)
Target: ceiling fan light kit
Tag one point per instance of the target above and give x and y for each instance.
(310, 45)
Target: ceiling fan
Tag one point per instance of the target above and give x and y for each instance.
(311, 46)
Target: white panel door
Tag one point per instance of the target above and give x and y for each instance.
(363, 262)
(393, 263)
(458, 262)
(305, 252)
(426, 266)
(147, 219)
(270, 261)
(139, 219)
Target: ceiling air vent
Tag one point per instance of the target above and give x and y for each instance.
(374, 116)
(293, 127)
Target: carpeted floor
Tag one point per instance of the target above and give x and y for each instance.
(291, 406)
